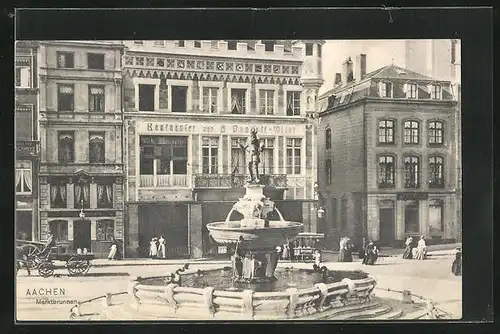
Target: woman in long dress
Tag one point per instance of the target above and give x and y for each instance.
(112, 250)
(153, 249)
(408, 254)
(286, 252)
(342, 249)
(456, 268)
(421, 249)
(348, 250)
(161, 247)
(371, 254)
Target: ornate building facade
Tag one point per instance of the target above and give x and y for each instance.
(81, 125)
(188, 105)
(389, 142)
(27, 147)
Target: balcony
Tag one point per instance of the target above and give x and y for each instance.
(27, 147)
(164, 181)
(217, 181)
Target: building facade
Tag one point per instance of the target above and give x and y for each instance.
(81, 161)
(388, 155)
(27, 148)
(188, 106)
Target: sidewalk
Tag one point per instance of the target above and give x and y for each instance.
(435, 250)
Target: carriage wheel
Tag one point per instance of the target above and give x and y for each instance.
(77, 267)
(46, 269)
(31, 255)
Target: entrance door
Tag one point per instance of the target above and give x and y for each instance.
(386, 217)
(81, 234)
(411, 218)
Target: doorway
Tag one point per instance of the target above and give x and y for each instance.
(81, 235)
(412, 218)
(386, 217)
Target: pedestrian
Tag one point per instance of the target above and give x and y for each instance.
(112, 251)
(153, 248)
(371, 254)
(456, 268)
(286, 252)
(342, 249)
(349, 247)
(408, 253)
(317, 258)
(421, 249)
(162, 245)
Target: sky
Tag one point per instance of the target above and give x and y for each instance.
(379, 53)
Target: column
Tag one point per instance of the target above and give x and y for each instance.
(70, 229)
(70, 196)
(93, 195)
(93, 229)
(400, 220)
(132, 230)
(195, 230)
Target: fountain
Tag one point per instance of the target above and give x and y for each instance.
(252, 288)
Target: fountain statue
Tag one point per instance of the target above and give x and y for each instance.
(255, 147)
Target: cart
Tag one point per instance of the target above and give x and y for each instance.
(305, 244)
(76, 264)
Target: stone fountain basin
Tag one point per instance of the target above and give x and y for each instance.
(255, 238)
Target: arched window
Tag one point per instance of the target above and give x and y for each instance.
(387, 167)
(436, 133)
(386, 131)
(412, 171)
(66, 147)
(436, 175)
(59, 229)
(328, 138)
(328, 171)
(412, 132)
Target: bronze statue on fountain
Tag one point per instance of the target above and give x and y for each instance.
(255, 147)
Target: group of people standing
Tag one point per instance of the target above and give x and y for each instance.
(158, 248)
(368, 252)
(419, 252)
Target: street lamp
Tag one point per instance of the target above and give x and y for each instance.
(82, 213)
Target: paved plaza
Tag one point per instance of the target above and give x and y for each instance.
(431, 278)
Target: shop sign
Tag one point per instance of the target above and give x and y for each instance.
(219, 129)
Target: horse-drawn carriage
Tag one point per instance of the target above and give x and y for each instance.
(305, 244)
(34, 255)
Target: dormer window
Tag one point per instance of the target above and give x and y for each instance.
(181, 43)
(435, 91)
(269, 45)
(385, 89)
(411, 90)
(232, 45)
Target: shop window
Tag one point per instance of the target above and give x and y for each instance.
(293, 103)
(412, 171)
(65, 59)
(146, 97)
(293, 154)
(66, 147)
(59, 229)
(95, 61)
(179, 98)
(411, 132)
(58, 195)
(266, 102)
(23, 177)
(210, 155)
(65, 98)
(105, 230)
(436, 133)
(96, 98)
(386, 132)
(387, 168)
(436, 167)
(238, 101)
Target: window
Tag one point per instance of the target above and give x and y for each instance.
(412, 172)
(266, 102)
(65, 60)
(147, 97)
(105, 230)
(231, 45)
(95, 61)
(66, 147)
(436, 133)
(105, 195)
(179, 98)
(309, 49)
(293, 103)
(96, 98)
(23, 177)
(181, 43)
(385, 89)
(24, 122)
(96, 147)
(139, 42)
(267, 156)
(411, 132)
(59, 229)
(387, 168)
(238, 156)
(386, 131)
(210, 99)
(269, 45)
(210, 153)
(436, 165)
(411, 90)
(159, 43)
(65, 98)
(293, 154)
(197, 44)
(238, 101)
(328, 169)
(58, 195)
(435, 92)
(164, 155)
(328, 138)
(82, 194)
(23, 76)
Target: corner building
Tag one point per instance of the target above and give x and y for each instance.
(81, 167)
(188, 104)
(389, 148)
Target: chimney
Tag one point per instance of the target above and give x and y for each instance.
(338, 79)
(360, 71)
(347, 73)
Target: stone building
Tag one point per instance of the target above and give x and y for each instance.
(388, 155)
(27, 148)
(81, 123)
(188, 104)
